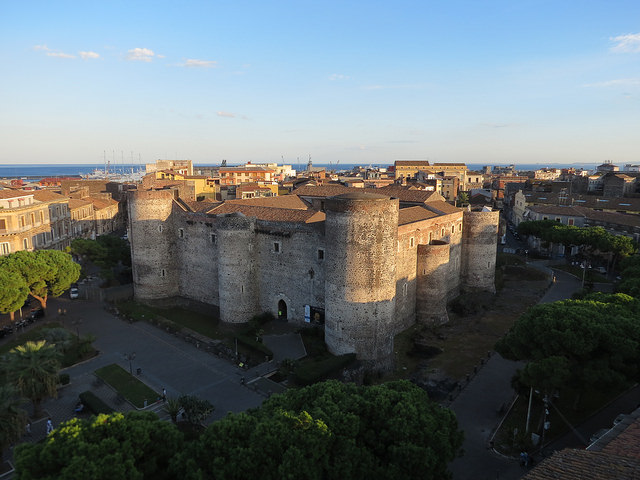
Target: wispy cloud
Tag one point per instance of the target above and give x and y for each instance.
(615, 83)
(230, 115)
(629, 43)
(140, 55)
(88, 55)
(338, 76)
(52, 53)
(60, 55)
(497, 125)
(195, 63)
(394, 87)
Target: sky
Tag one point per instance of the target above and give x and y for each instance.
(495, 82)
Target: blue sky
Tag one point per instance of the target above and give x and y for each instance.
(356, 82)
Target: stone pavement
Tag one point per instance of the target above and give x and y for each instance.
(479, 405)
(164, 361)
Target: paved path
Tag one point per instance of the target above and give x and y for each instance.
(477, 406)
(165, 362)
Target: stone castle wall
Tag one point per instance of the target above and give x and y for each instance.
(372, 277)
(360, 276)
(479, 244)
(153, 258)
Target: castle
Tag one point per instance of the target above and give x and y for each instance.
(369, 263)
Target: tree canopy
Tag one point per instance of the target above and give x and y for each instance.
(33, 369)
(13, 419)
(326, 431)
(107, 447)
(332, 430)
(593, 343)
(45, 272)
(13, 293)
(595, 238)
(630, 272)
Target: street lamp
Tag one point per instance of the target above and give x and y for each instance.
(130, 357)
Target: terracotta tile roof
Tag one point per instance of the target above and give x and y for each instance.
(78, 203)
(589, 214)
(441, 207)
(322, 190)
(284, 201)
(414, 214)
(627, 443)
(450, 165)
(7, 193)
(270, 213)
(571, 464)
(246, 169)
(410, 194)
(557, 210)
(48, 196)
(412, 163)
(591, 201)
(99, 203)
(200, 207)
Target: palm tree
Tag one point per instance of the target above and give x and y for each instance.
(173, 407)
(33, 369)
(13, 419)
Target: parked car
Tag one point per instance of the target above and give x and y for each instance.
(74, 292)
(37, 313)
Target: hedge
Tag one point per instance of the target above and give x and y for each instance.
(314, 371)
(94, 404)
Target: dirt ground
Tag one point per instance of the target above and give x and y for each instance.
(466, 339)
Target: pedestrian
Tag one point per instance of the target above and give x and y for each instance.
(164, 394)
(28, 428)
(49, 426)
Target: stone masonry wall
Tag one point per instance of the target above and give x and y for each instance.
(360, 282)
(479, 247)
(152, 244)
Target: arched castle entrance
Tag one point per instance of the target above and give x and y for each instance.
(282, 310)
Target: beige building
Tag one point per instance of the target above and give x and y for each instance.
(82, 223)
(59, 218)
(409, 168)
(24, 222)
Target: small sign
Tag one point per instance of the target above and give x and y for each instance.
(307, 314)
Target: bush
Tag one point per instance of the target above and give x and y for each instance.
(94, 404)
(311, 372)
(63, 379)
(262, 318)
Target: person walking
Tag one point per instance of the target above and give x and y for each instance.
(49, 426)
(164, 394)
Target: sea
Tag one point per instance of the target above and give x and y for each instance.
(43, 170)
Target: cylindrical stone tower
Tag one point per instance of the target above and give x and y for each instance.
(152, 238)
(431, 294)
(236, 275)
(479, 247)
(361, 231)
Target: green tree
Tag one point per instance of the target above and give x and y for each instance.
(173, 407)
(33, 369)
(196, 410)
(46, 272)
(334, 431)
(13, 293)
(13, 419)
(108, 447)
(593, 343)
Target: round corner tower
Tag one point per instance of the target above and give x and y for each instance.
(236, 269)
(152, 244)
(479, 247)
(361, 233)
(432, 282)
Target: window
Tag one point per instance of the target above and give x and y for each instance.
(163, 273)
(557, 219)
(22, 221)
(411, 242)
(453, 229)
(3, 224)
(213, 238)
(33, 218)
(276, 247)
(430, 237)
(4, 248)
(320, 254)
(405, 289)
(442, 235)
(25, 243)
(160, 228)
(41, 217)
(181, 232)
(570, 221)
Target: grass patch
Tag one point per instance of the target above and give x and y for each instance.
(32, 335)
(126, 385)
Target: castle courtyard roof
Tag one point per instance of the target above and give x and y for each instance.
(270, 213)
(284, 201)
(414, 214)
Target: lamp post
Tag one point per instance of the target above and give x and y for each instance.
(130, 357)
